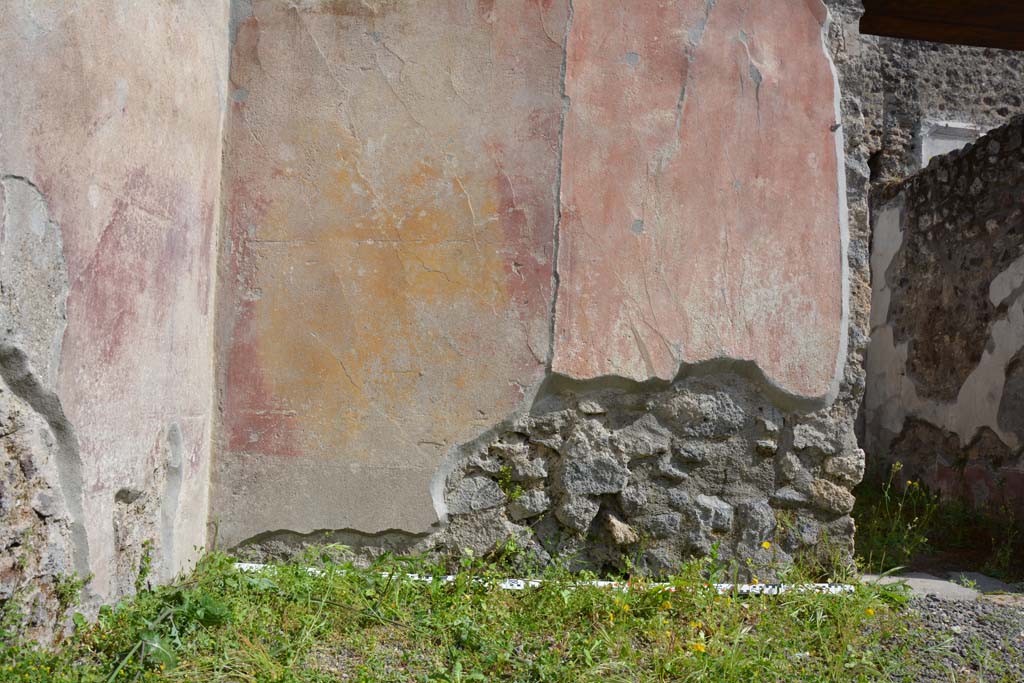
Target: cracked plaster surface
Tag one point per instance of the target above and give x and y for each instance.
(702, 194)
(402, 180)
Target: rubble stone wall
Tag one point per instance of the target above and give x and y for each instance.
(944, 366)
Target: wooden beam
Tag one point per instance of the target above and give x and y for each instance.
(983, 23)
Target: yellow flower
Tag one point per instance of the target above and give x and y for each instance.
(870, 612)
(766, 545)
(698, 647)
(696, 625)
(755, 581)
(666, 605)
(625, 608)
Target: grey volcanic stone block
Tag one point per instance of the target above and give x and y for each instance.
(475, 493)
(529, 504)
(639, 468)
(594, 474)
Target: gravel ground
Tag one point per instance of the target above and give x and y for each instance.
(966, 642)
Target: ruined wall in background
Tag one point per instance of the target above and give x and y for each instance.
(109, 186)
(945, 375)
(892, 90)
(568, 274)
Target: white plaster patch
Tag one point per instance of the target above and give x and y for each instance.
(942, 137)
(886, 240)
(1006, 282)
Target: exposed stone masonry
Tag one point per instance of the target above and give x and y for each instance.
(945, 386)
(612, 476)
(36, 546)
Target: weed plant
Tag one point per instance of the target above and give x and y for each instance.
(899, 519)
(892, 520)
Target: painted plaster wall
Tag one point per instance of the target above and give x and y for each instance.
(467, 247)
(402, 180)
(944, 364)
(702, 162)
(388, 252)
(110, 168)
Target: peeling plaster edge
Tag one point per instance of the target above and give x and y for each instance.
(844, 215)
(511, 584)
(461, 452)
(750, 370)
(217, 256)
(411, 537)
(779, 395)
(556, 279)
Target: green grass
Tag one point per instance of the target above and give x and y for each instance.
(286, 625)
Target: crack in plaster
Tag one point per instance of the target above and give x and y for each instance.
(552, 381)
(555, 276)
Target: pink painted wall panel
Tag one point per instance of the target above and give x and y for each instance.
(701, 192)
